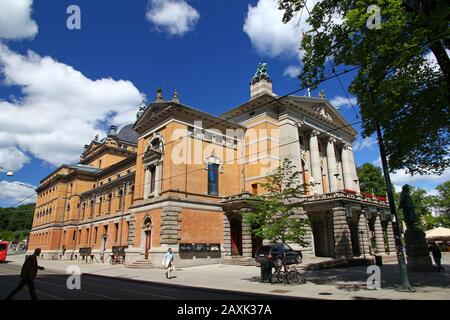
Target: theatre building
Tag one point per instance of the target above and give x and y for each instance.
(178, 178)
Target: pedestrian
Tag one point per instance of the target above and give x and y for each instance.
(28, 274)
(437, 256)
(168, 262)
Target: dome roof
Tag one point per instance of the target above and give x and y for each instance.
(127, 134)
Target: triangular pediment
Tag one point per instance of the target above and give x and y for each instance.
(323, 111)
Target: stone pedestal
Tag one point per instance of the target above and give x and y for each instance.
(418, 257)
(342, 238)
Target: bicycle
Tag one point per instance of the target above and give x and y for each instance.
(117, 259)
(290, 275)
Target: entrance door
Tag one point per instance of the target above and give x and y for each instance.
(236, 237)
(323, 236)
(103, 247)
(148, 236)
(355, 238)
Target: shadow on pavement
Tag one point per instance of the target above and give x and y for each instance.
(354, 278)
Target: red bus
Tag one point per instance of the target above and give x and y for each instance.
(3, 250)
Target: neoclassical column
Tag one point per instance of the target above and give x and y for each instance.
(290, 143)
(346, 167)
(315, 161)
(353, 168)
(331, 164)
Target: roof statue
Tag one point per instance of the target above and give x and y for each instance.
(322, 94)
(261, 73)
(176, 97)
(142, 107)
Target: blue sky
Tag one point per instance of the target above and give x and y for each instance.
(60, 87)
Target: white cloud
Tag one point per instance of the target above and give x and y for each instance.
(268, 34)
(363, 144)
(14, 192)
(292, 72)
(15, 19)
(175, 17)
(60, 109)
(12, 159)
(401, 177)
(340, 101)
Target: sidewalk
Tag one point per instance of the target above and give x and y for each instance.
(335, 284)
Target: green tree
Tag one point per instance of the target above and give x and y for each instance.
(15, 223)
(443, 196)
(274, 215)
(371, 179)
(411, 95)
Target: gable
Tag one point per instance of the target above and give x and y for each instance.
(321, 110)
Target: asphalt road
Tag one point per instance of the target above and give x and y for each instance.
(52, 286)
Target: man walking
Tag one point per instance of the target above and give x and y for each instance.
(168, 262)
(28, 274)
(437, 256)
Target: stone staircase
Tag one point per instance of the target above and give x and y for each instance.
(239, 261)
(140, 264)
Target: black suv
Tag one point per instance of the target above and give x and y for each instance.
(278, 255)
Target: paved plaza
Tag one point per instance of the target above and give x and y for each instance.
(336, 283)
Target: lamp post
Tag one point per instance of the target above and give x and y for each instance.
(405, 286)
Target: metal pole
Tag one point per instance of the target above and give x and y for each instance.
(405, 286)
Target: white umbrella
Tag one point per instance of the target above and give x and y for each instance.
(438, 233)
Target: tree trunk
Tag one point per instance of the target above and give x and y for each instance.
(443, 60)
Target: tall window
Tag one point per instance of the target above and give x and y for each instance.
(109, 202)
(213, 179)
(95, 235)
(152, 178)
(120, 199)
(116, 230)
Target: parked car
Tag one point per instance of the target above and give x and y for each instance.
(278, 255)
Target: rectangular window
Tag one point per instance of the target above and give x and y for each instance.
(153, 178)
(116, 226)
(255, 188)
(213, 179)
(95, 234)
